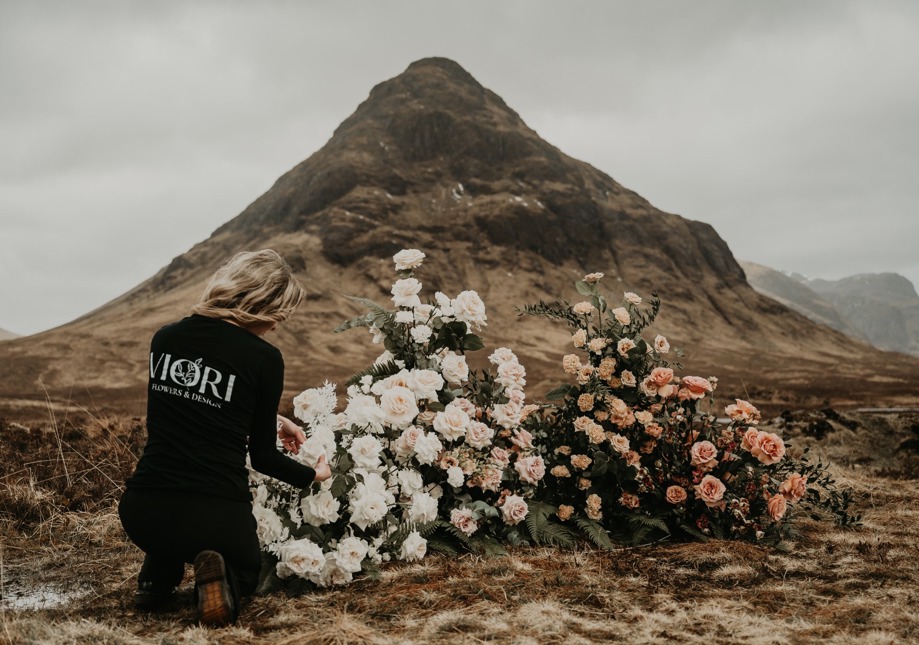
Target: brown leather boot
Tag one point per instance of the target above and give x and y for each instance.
(215, 602)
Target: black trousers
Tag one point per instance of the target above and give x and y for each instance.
(172, 527)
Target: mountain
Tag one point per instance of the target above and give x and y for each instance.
(434, 161)
(7, 335)
(880, 308)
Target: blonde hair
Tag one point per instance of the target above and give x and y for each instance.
(253, 287)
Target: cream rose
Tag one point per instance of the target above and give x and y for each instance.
(583, 308)
(405, 293)
(426, 384)
(405, 444)
(469, 308)
(365, 451)
(408, 259)
(479, 435)
(349, 554)
(454, 368)
(624, 346)
(511, 375)
(300, 558)
(593, 278)
(413, 548)
(320, 509)
(427, 447)
(452, 422)
(621, 315)
(661, 344)
(399, 406)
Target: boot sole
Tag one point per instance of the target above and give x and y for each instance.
(215, 606)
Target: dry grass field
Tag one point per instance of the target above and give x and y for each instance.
(68, 570)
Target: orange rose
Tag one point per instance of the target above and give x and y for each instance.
(742, 411)
(694, 387)
(704, 455)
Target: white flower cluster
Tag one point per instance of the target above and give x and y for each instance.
(414, 444)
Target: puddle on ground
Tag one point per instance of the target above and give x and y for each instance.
(42, 597)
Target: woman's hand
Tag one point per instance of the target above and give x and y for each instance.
(323, 472)
(290, 434)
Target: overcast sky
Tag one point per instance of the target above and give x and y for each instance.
(131, 130)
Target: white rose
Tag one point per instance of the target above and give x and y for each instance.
(378, 335)
(453, 367)
(408, 259)
(452, 422)
(427, 447)
(405, 293)
(319, 509)
(299, 558)
(502, 355)
(405, 317)
(350, 553)
(634, 298)
(469, 308)
(332, 574)
(368, 509)
(444, 304)
(410, 482)
(365, 451)
(423, 313)
(421, 334)
(270, 528)
(399, 406)
(514, 510)
(511, 374)
(624, 345)
(661, 344)
(455, 476)
(413, 548)
(479, 435)
(426, 384)
(423, 508)
(363, 412)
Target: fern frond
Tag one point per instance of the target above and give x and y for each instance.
(377, 372)
(594, 532)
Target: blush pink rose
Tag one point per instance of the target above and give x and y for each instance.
(769, 448)
(463, 519)
(711, 491)
(514, 510)
(676, 494)
(531, 469)
(777, 505)
(750, 439)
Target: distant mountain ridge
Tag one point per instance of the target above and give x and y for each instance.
(7, 335)
(881, 308)
(433, 160)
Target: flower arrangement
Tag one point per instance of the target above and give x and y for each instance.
(635, 448)
(427, 454)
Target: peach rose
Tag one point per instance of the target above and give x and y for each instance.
(622, 315)
(620, 444)
(597, 345)
(581, 462)
(704, 455)
(750, 439)
(660, 376)
(794, 487)
(624, 346)
(606, 368)
(586, 402)
(644, 417)
(565, 512)
(769, 448)
(676, 494)
(655, 430)
(777, 505)
(632, 458)
(560, 471)
(742, 411)
(629, 500)
(579, 338)
(711, 491)
(583, 308)
(584, 374)
(571, 363)
(695, 387)
(593, 278)
(632, 297)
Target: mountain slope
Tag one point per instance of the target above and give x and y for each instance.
(7, 335)
(432, 160)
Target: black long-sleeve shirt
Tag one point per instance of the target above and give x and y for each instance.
(212, 396)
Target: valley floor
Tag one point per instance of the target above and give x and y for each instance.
(826, 585)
